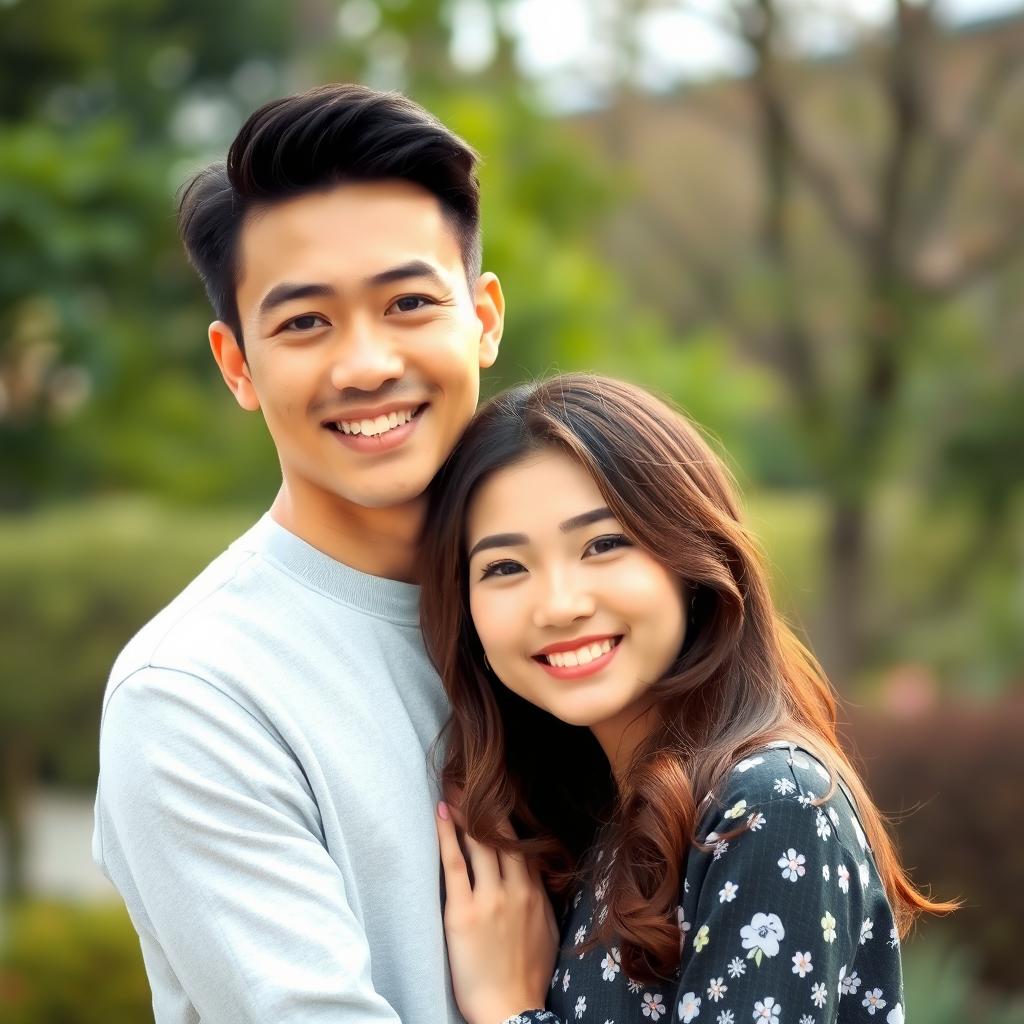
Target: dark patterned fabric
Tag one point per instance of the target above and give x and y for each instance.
(786, 923)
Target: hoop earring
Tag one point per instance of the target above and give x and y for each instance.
(487, 664)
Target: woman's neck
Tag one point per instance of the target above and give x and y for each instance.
(622, 735)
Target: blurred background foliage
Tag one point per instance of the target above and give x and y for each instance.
(816, 250)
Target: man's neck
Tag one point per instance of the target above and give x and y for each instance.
(378, 541)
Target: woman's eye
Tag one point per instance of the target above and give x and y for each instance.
(306, 322)
(608, 543)
(410, 303)
(503, 568)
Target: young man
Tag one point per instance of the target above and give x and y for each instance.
(265, 806)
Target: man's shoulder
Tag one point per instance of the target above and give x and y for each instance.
(217, 596)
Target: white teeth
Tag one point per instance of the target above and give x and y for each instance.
(380, 425)
(582, 656)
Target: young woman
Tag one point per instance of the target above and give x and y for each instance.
(634, 726)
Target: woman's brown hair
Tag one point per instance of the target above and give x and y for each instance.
(742, 679)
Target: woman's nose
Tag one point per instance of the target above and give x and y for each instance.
(563, 602)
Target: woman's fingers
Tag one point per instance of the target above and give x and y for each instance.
(484, 861)
(514, 868)
(456, 877)
(489, 867)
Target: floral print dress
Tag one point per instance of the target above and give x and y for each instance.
(785, 923)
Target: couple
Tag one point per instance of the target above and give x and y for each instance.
(637, 747)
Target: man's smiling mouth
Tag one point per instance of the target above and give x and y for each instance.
(377, 425)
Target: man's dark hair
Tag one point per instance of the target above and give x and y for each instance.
(305, 143)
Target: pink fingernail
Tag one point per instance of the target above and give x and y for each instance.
(442, 811)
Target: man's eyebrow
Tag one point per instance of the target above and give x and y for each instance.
(501, 540)
(498, 540)
(414, 268)
(288, 291)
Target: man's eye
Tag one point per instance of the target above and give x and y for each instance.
(306, 322)
(501, 568)
(608, 543)
(410, 303)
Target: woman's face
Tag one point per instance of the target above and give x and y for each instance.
(572, 616)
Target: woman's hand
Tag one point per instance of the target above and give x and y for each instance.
(501, 930)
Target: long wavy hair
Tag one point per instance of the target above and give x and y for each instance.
(741, 680)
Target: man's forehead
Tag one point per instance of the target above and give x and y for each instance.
(349, 232)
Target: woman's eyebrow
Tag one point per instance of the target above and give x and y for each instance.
(498, 540)
(501, 540)
(586, 518)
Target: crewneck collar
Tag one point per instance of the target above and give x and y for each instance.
(387, 599)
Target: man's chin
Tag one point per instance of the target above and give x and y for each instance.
(400, 495)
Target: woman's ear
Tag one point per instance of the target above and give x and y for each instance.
(230, 357)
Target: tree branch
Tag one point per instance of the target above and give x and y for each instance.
(953, 271)
(714, 286)
(833, 194)
(954, 149)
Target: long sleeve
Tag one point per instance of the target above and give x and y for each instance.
(206, 823)
(778, 921)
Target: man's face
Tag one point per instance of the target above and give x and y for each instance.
(363, 339)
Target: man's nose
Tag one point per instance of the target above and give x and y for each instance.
(365, 360)
(563, 601)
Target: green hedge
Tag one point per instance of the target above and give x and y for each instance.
(70, 964)
(77, 582)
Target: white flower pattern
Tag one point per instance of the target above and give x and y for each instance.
(792, 864)
(611, 964)
(873, 1001)
(689, 1007)
(653, 1006)
(761, 937)
(728, 892)
(848, 983)
(802, 964)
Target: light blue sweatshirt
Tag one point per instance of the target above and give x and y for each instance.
(265, 806)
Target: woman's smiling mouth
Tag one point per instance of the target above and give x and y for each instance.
(575, 658)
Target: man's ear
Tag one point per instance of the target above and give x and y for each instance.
(490, 311)
(233, 367)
